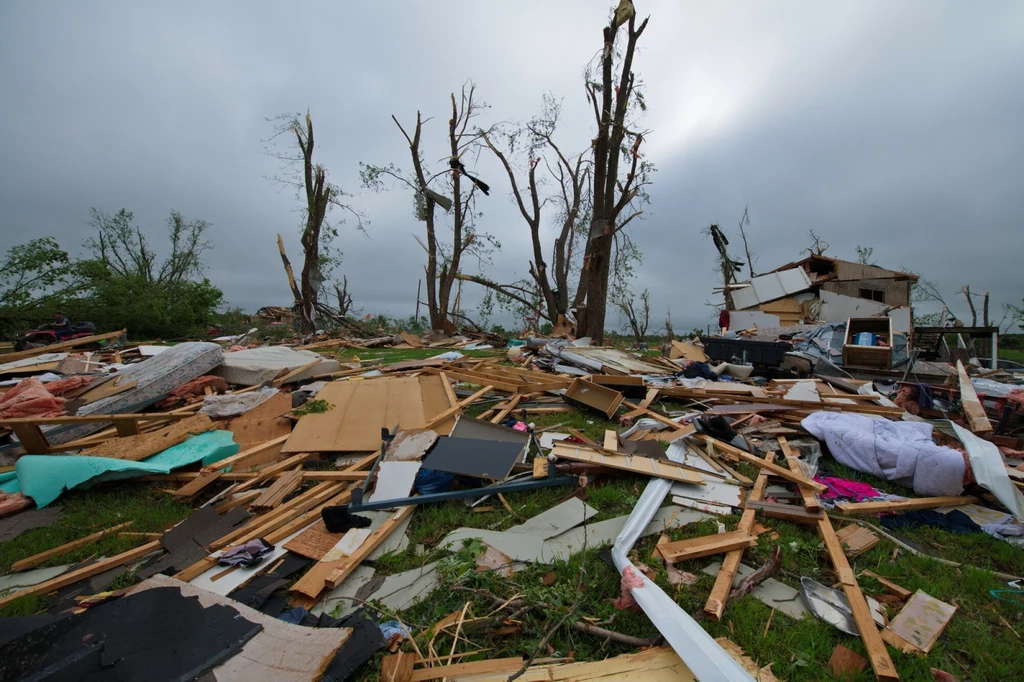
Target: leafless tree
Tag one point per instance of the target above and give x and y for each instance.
(818, 245)
(319, 197)
(638, 317)
(966, 291)
(669, 332)
(726, 264)
(443, 260)
(617, 192)
(546, 295)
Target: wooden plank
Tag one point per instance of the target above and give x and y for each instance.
(877, 653)
(695, 548)
(397, 667)
(639, 410)
(972, 407)
(771, 468)
(282, 487)
(139, 447)
(509, 406)
(678, 429)
(483, 380)
(904, 505)
(333, 573)
(247, 458)
(63, 345)
(488, 667)
(457, 407)
(810, 499)
(731, 562)
(281, 381)
(197, 484)
(631, 463)
(266, 473)
(31, 438)
(189, 476)
(786, 512)
(92, 418)
(901, 592)
(71, 577)
(448, 390)
(611, 440)
(36, 559)
(856, 540)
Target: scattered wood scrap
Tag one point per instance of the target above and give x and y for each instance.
(136, 448)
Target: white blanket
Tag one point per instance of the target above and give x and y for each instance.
(902, 452)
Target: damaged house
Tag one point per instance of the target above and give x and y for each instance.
(822, 289)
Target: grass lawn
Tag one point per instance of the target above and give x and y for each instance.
(983, 641)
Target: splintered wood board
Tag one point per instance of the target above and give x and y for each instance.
(145, 445)
(314, 542)
(362, 407)
(261, 424)
(633, 464)
(921, 621)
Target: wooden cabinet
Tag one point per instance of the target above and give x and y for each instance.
(877, 356)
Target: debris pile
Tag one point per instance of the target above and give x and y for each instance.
(306, 475)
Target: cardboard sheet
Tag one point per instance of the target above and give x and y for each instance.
(362, 407)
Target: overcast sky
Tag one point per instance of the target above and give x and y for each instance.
(894, 125)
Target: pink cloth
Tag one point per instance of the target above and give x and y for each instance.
(845, 488)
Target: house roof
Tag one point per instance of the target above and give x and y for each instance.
(809, 264)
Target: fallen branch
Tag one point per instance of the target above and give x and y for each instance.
(767, 570)
(627, 640)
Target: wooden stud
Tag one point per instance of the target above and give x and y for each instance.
(457, 407)
(695, 548)
(903, 505)
(197, 485)
(42, 557)
(810, 499)
(632, 463)
(509, 406)
(974, 411)
(295, 372)
(89, 571)
(275, 494)
(901, 592)
(771, 468)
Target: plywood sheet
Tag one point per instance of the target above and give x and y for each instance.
(314, 542)
(362, 407)
(922, 620)
(262, 423)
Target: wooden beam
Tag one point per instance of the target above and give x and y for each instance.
(296, 372)
(811, 502)
(901, 592)
(241, 458)
(266, 473)
(42, 557)
(786, 512)
(493, 666)
(457, 407)
(474, 378)
(634, 464)
(772, 469)
(885, 671)
(446, 382)
(509, 406)
(695, 548)
(283, 486)
(904, 505)
(92, 418)
(645, 404)
(72, 577)
(188, 476)
(63, 345)
(197, 485)
(972, 407)
(731, 563)
(651, 414)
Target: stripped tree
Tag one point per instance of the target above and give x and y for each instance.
(320, 197)
(546, 293)
(444, 189)
(620, 172)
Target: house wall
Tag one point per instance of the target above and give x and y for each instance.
(896, 293)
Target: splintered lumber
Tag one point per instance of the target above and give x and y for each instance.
(771, 468)
(487, 667)
(266, 473)
(57, 347)
(36, 559)
(679, 429)
(785, 512)
(509, 406)
(877, 654)
(243, 459)
(641, 409)
(810, 499)
(282, 487)
(695, 548)
(901, 592)
(71, 577)
(972, 407)
(329, 572)
(397, 667)
(458, 407)
(281, 381)
(856, 540)
(136, 448)
(311, 475)
(904, 505)
(631, 463)
(197, 484)
(731, 562)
